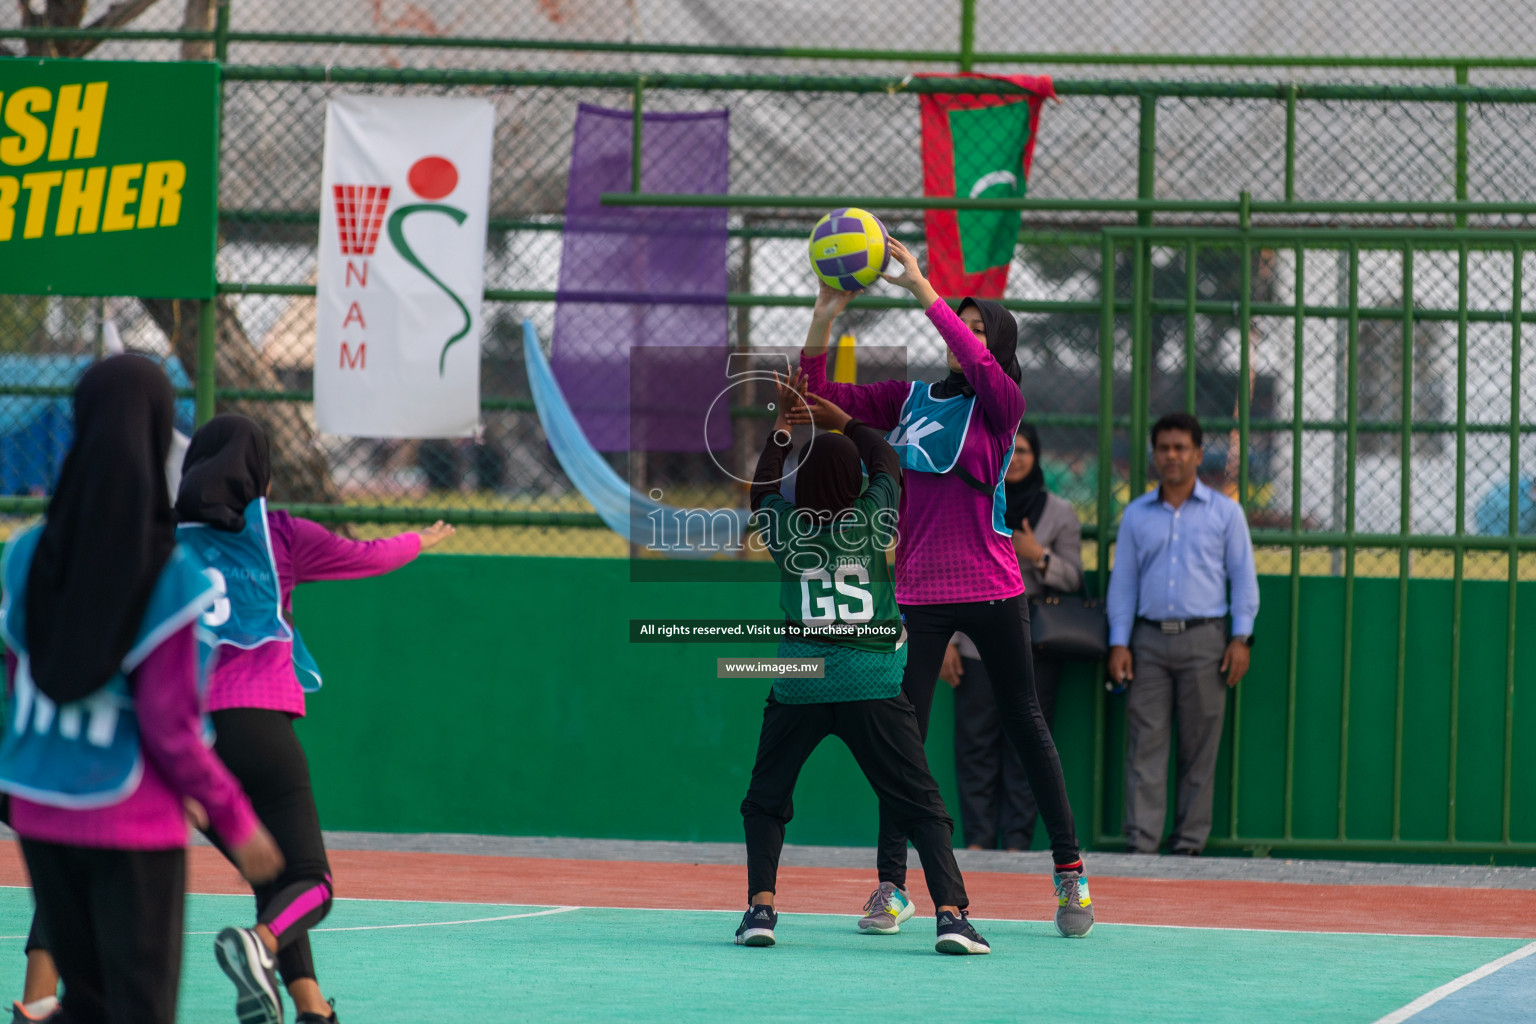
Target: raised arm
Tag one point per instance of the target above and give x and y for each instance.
(1001, 401)
(878, 404)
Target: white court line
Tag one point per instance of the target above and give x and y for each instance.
(1430, 998)
(430, 924)
(418, 924)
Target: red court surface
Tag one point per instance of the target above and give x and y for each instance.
(442, 877)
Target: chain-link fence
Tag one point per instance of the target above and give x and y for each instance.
(1180, 326)
(793, 35)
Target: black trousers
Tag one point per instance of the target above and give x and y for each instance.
(1000, 630)
(995, 798)
(114, 921)
(883, 738)
(262, 751)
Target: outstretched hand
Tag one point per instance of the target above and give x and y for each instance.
(911, 277)
(830, 303)
(435, 534)
(790, 400)
(821, 411)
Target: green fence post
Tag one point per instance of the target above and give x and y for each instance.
(967, 34)
(1459, 571)
(1293, 644)
(1515, 325)
(1290, 143)
(636, 132)
(1245, 368)
(1105, 497)
(1191, 296)
(1461, 146)
(208, 309)
(1352, 427)
(1141, 370)
(1405, 524)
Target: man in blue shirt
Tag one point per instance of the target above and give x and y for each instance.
(1178, 549)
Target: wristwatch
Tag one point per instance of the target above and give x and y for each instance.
(1246, 639)
(1044, 564)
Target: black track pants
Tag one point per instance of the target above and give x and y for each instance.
(1000, 630)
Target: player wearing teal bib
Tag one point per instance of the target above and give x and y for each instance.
(102, 741)
(830, 548)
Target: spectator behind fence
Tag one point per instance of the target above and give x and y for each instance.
(994, 792)
(1178, 549)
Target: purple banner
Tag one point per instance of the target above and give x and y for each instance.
(634, 277)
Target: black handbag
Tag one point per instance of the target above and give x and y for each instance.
(1069, 627)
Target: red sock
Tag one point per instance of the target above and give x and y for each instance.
(1076, 865)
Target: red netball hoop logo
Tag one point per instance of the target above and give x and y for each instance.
(359, 215)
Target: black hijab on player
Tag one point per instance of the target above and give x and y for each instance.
(831, 476)
(1002, 341)
(228, 466)
(109, 530)
(1026, 499)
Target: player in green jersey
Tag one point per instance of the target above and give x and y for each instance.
(840, 607)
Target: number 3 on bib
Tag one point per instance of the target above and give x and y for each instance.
(219, 613)
(821, 593)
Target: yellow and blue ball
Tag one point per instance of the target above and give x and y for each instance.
(849, 249)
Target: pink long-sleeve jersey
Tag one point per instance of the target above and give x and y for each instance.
(947, 549)
(305, 552)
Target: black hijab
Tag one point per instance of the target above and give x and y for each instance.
(1026, 499)
(228, 466)
(830, 475)
(109, 530)
(1002, 341)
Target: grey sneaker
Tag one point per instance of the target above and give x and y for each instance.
(885, 909)
(254, 971)
(1074, 910)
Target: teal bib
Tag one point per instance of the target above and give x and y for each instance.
(249, 611)
(931, 432)
(86, 753)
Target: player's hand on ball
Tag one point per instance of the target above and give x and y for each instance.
(830, 303)
(910, 273)
(435, 534)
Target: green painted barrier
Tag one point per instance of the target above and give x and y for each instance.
(502, 695)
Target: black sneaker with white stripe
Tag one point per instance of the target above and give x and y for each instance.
(245, 959)
(757, 926)
(957, 936)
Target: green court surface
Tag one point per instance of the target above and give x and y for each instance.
(387, 961)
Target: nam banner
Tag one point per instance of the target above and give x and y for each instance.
(107, 175)
(403, 203)
(977, 147)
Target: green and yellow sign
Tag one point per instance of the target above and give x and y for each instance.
(107, 178)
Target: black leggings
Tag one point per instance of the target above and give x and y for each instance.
(883, 738)
(262, 751)
(1000, 630)
(114, 924)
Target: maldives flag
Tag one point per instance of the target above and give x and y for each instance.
(977, 147)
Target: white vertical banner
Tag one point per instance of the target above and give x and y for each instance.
(404, 199)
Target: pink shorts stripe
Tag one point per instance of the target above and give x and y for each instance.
(307, 902)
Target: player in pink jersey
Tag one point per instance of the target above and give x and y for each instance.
(102, 739)
(955, 564)
(256, 692)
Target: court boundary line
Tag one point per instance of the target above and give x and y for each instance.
(1434, 996)
(822, 913)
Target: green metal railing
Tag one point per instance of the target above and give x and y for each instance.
(1242, 224)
